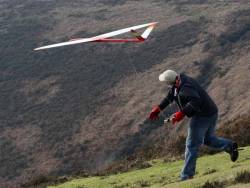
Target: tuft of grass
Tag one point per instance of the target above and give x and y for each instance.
(209, 171)
(214, 184)
(81, 186)
(243, 177)
(143, 183)
(122, 185)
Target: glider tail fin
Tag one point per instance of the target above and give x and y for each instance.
(146, 33)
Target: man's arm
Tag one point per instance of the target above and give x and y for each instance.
(157, 109)
(167, 100)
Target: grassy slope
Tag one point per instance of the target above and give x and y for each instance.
(161, 174)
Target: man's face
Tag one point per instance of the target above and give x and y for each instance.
(170, 86)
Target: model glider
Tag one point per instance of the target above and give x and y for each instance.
(107, 37)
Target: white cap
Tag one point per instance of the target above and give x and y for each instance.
(169, 76)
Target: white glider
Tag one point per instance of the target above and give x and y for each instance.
(106, 37)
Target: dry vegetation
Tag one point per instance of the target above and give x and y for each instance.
(76, 109)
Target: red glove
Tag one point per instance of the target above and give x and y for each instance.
(154, 113)
(178, 116)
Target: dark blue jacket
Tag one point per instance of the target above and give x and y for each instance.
(191, 98)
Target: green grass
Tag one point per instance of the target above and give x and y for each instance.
(210, 169)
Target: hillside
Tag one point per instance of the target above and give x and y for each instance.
(81, 108)
(215, 171)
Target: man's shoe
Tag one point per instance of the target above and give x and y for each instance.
(234, 154)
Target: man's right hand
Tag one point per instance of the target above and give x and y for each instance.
(154, 114)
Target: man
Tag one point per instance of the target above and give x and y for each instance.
(195, 103)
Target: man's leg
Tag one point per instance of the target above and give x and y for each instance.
(196, 132)
(220, 143)
(213, 141)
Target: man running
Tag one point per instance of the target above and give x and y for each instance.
(195, 103)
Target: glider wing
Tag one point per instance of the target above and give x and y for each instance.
(106, 37)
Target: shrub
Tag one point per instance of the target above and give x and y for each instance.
(45, 180)
(237, 129)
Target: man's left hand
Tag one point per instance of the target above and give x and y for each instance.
(178, 116)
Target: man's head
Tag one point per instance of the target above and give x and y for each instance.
(169, 76)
